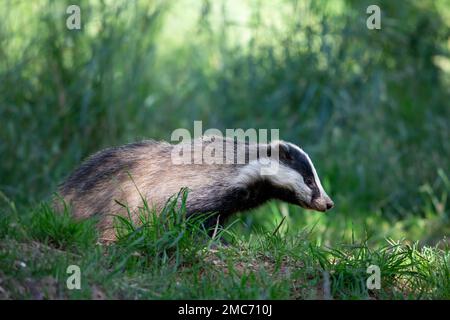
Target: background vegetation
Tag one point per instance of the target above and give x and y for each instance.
(371, 107)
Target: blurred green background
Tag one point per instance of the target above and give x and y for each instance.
(371, 107)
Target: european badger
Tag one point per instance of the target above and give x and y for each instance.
(122, 175)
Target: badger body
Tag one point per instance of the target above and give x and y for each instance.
(147, 170)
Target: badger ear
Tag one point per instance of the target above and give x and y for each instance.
(284, 152)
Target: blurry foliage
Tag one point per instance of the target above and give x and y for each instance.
(371, 107)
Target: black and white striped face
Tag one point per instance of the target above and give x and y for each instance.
(297, 179)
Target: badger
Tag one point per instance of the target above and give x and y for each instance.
(148, 170)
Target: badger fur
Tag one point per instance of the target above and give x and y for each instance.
(126, 174)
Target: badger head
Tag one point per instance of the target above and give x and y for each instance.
(296, 180)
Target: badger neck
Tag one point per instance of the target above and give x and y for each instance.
(262, 187)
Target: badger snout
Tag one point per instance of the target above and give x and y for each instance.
(322, 203)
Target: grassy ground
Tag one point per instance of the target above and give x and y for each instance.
(171, 257)
(371, 107)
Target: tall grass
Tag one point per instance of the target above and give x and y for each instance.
(166, 237)
(168, 257)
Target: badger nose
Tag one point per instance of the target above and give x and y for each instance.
(330, 204)
(322, 204)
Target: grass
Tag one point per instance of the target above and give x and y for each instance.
(170, 256)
